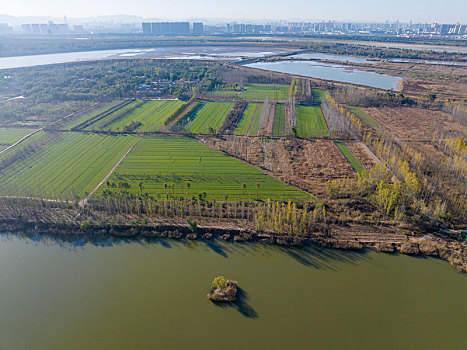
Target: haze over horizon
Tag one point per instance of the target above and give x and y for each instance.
(449, 11)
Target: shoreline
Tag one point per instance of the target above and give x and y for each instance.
(429, 245)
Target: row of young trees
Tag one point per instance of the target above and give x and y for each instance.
(180, 110)
(455, 147)
(278, 217)
(403, 181)
(340, 121)
(233, 117)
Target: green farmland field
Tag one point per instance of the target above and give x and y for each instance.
(103, 124)
(29, 142)
(318, 95)
(209, 117)
(310, 122)
(69, 165)
(279, 121)
(160, 161)
(151, 115)
(249, 120)
(353, 161)
(10, 136)
(258, 92)
(364, 117)
(91, 114)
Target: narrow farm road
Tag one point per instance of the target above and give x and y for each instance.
(85, 200)
(21, 140)
(36, 131)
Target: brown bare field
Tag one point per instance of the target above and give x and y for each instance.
(361, 154)
(414, 124)
(307, 164)
(423, 79)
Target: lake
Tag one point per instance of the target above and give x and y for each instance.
(174, 52)
(112, 294)
(333, 72)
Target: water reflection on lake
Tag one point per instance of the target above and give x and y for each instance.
(94, 293)
(333, 72)
(179, 52)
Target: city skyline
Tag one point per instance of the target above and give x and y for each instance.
(450, 11)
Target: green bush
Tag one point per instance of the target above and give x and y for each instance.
(219, 282)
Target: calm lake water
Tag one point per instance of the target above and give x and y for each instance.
(152, 295)
(175, 52)
(332, 72)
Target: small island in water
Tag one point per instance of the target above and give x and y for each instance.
(223, 290)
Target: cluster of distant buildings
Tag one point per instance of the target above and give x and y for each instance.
(332, 27)
(199, 28)
(45, 28)
(171, 28)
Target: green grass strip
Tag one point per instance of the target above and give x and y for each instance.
(353, 161)
(363, 116)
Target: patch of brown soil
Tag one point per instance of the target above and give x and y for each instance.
(361, 154)
(413, 124)
(307, 164)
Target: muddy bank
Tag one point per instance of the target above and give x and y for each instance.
(337, 237)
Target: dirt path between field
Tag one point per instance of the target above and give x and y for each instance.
(36, 131)
(371, 154)
(38, 199)
(21, 140)
(271, 116)
(85, 200)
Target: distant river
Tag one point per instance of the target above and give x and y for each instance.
(333, 72)
(112, 294)
(175, 52)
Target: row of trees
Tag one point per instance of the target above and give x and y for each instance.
(180, 110)
(341, 122)
(233, 117)
(403, 181)
(278, 217)
(455, 147)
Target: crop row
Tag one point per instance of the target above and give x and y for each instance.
(279, 121)
(92, 114)
(118, 108)
(172, 166)
(69, 166)
(151, 115)
(10, 136)
(310, 122)
(117, 115)
(249, 122)
(209, 118)
(259, 92)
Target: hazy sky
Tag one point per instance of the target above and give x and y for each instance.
(447, 11)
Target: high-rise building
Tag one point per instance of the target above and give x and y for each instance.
(198, 28)
(147, 28)
(166, 28)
